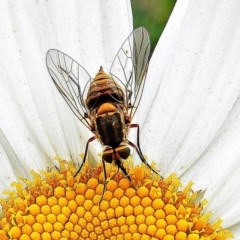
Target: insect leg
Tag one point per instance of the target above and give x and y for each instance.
(141, 156)
(85, 154)
(135, 125)
(120, 165)
(105, 180)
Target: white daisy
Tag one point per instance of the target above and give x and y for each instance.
(188, 113)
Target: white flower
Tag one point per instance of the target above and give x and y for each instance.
(190, 111)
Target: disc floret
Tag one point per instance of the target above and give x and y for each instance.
(55, 205)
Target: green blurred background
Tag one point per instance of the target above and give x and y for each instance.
(153, 15)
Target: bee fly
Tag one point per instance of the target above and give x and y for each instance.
(106, 103)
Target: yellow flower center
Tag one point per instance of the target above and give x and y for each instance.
(55, 205)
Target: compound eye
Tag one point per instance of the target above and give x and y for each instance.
(107, 155)
(123, 151)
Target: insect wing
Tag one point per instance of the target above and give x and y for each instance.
(130, 66)
(71, 80)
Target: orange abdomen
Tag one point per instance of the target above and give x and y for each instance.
(103, 89)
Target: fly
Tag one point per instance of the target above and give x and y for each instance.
(106, 104)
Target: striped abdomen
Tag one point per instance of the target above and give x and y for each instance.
(103, 89)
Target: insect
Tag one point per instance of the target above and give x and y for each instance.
(106, 104)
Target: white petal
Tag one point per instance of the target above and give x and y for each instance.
(193, 121)
(34, 118)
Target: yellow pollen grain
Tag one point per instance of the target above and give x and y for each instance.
(87, 205)
(58, 226)
(30, 220)
(118, 193)
(171, 219)
(148, 211)
(22, 237)
(110, 213)
(140, 219)
(72, 205)
(69, 226)
(133, 228)
(130, 192)
(114, 202)
(81, 188)
(37, 227)
(70, 194)
(61, 218)
(51, 201)
(130, 220)
(102, 216)
(62, 201)
(59, 192)
(36, 236)
(15, 232)
(146, 202)
(128, 211)
(27, 229)
(119, 211)
(99, 189)
(34, 209)
(45, 209)
(193, 236)
(73, 235)
(80, 199)
(95, 210)
(150, 220)
(121, 221)
(169, 209)
(171, 229)
(59, 206)
(41, 200)
(56, 235)
(66, 211)
(168, 237)
(52, 218)
(104, 205)
(135, 201)
(41, 218)
(142, 228)
(151, 230)
(97, 199)
(124, 201)
(48, 227)
(124, 184)
(181, 236)
(108, 195)
(159, 214)
(158, 204)
(88, 216)
(112, 185)
(89, 194)
(73, 218)
(142, 192)
(161, 233)
(92, 183)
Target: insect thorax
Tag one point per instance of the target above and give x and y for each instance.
(110, 127)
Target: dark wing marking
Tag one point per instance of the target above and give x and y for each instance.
(70, 78)
(130, 65)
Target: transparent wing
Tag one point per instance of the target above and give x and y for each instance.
(130, 65)
(71, 79)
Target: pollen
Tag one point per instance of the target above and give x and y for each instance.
(57, 205)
